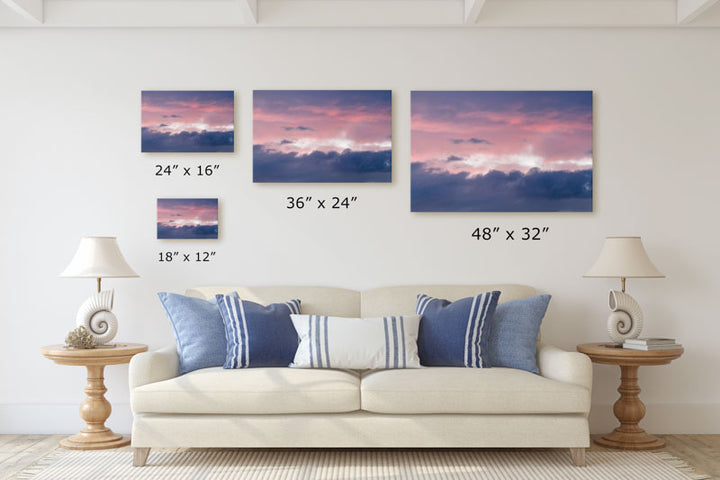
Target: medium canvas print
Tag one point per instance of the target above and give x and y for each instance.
(188, 121)
(502, 151)
(187, 218)
(322, 136)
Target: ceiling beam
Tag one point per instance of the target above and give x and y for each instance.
(578, 13)
(29, 9)
(689, 10)
(147, 13)
(359, 13)
(249, 8)
(472, 10)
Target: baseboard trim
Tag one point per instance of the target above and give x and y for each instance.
(38, 418)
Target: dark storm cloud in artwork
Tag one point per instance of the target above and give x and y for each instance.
(533, 191)
(474, 140)
(154, 141)
(299, 128)
(321, 167)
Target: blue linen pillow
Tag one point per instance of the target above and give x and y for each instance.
(257, 335)
(454, 334)
(198, 329)
(513, 333)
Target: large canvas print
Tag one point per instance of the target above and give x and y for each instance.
(188, 121)
(187, 218)
(322, 136)
(502, 151)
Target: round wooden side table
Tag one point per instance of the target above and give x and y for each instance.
(629, 410)
(95, 409)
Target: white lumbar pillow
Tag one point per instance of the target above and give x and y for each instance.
(356, 343)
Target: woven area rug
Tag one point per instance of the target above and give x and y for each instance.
(357, 464)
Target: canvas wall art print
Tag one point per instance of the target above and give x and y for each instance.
(187, 218)
(188, 121)
(502, 151)
(322, 136)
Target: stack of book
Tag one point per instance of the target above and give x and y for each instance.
(651, 344)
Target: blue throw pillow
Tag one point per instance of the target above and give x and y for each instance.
(514, 332)
(454, 334)
(258, 336)
(199, 331)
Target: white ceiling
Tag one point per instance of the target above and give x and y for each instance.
(359, 13)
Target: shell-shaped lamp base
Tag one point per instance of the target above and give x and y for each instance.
(96, 315)
(626, 319)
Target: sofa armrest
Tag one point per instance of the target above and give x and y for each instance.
(569, 367)
(151, 367)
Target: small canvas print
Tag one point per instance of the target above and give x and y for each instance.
(188, 121)
(502, 151)
(322, 136)
(187, 218)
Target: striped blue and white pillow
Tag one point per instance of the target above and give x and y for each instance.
(454, 334)
(356, 343)
(257, 335)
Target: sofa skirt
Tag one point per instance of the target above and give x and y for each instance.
(360, 430)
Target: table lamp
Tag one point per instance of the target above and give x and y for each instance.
(98, 257)
(623, 257)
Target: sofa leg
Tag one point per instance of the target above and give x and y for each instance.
(140, 456)
(578, 456)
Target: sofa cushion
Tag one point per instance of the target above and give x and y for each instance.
(402, 300)
(251, 391)
(340, 302)
(469, 390)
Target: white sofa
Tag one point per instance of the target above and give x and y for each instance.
(434, 407)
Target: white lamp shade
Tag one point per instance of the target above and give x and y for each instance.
(98, 257)
(623, 257)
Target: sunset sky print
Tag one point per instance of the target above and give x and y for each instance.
(187, 218)
(502, 151)
(188, 121)
(322, 136)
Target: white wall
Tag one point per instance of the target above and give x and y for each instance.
(70, 165)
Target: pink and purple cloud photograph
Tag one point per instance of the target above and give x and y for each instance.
(322, 136)
(188, 121)
(502, 151)
(187, 218)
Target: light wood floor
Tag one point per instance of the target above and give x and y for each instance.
(20, 451)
